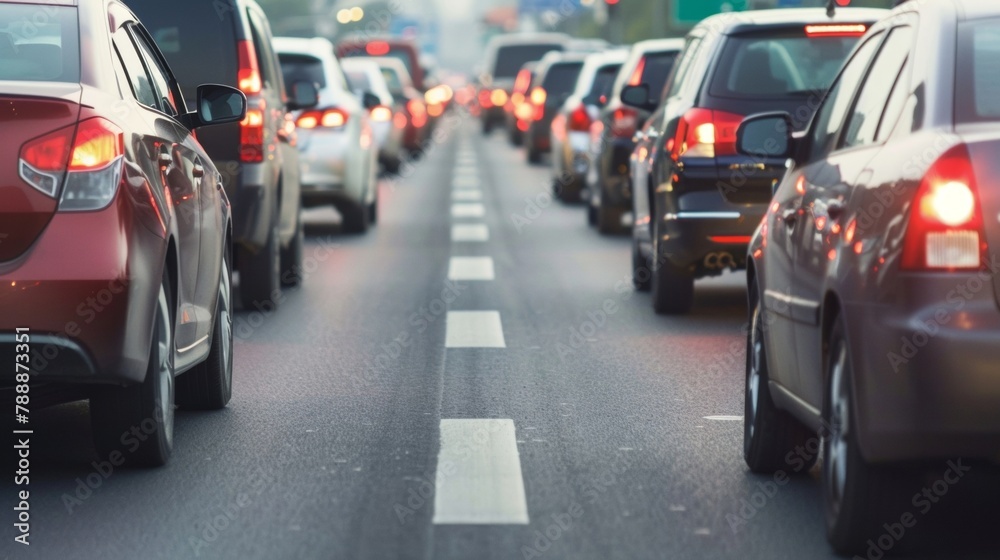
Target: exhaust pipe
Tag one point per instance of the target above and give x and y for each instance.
(719, 261)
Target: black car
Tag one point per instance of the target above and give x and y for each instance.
(555, 79)
(649, 64)
(229, 42)
(702, 200)
(506, 55)
(873, 278)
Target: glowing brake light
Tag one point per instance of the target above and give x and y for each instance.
(946, 224)
(705, 133)
(498, 97)
(252, 137)
(381, 114)
(579, 120)
(538, 96)
(329, 118)
(249, 72)
(836, 30)
(377, 48)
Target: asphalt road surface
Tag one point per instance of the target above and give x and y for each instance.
(532, 406)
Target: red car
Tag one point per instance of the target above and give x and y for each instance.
(404, 50)
(114, 228)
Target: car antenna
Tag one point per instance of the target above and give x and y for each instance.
(831, 8)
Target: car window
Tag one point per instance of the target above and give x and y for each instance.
(683, 66)
(831, 114)
(167, 100)
(886, 71)
(560, 80)
(656, 67)
(358, 79)
(139, 81)
(302, 68)
(393, 80)
(603, 81)
(50, 52)
(977, 84)
(184, 36)
(511, 58)
(779, 65)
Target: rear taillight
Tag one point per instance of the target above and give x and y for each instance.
(485, 99)
(381, 114)
(523, 81)
(538, 96)
(499, 97)
(418, 112)
(88, 156)
(579, 120)
(624, 122)
(636, 77)
(836, 30)
(400, 121)
(252, 137)
(249, 72)
(705, 133)
(946, 222)
(324, 118)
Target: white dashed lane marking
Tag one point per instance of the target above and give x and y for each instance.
(467, 195)
(479, 478)
(470, 268)
(474, 329)
(723, 418)
(474, 210)
(470, 233)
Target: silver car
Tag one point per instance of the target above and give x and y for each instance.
(338, 150)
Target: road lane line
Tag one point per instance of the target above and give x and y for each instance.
(467, 194)
(474, 210)
(474, 329)
(724, 418)
(471, 268)
(470, 232)
(479, 478)
(465, 183)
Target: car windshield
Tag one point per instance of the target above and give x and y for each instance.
(561, 78)
(39, 43)
(511, 58)
(779, 67)
(302, 68)
(978, 82)
(358, 80)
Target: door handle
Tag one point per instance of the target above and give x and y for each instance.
(198, 171)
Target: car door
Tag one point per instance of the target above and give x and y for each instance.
(830, 183)
(171, 166)
(788, 211)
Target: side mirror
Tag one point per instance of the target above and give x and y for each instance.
(370, 100)
(217, 104)
(768, 135)
(305, 95)
(637, 96)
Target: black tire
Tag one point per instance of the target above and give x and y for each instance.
(487, 126)
(260, 272)
(568, 191)
(591, 214)
(534, 155)
(392, 166)
(373, 209)
(642, 273)
(291, 258)
(673, 287)
(859, 502)
(209, 385)
(118, 414)
(356, 218)
(609, 219)
(516, 137)
(769, 433)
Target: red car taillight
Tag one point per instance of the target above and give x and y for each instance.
(381, 114)
(249, 72)
(579, 120)
(946, 223)
(252, 137)
(624, 122)
(705, 133)
(485, 99)
(324, 118)
(418, 112)
(84, 159)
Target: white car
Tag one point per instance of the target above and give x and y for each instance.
(339, 156)
(365, 76)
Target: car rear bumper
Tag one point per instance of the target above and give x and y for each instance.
(86, 290)
(927, 378)
(711, 241)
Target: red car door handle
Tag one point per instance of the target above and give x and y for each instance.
(198, 171)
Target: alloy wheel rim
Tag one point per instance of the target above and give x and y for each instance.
(226, 322)
(165, 370)
(753, 375)
(837, 449)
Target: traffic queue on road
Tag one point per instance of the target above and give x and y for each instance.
(844, 158)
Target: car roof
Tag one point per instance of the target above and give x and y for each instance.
(972, 9)
(316, 46)
(653, 45)
(528, 39)
(740, 22)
